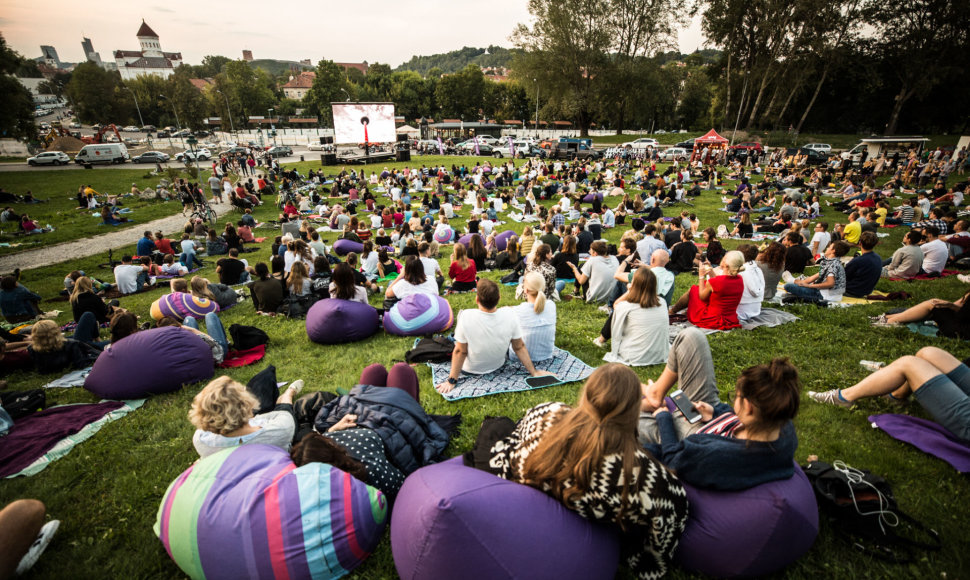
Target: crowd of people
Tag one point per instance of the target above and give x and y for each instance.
(619, 455)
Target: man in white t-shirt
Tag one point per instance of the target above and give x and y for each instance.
(598, 271)
(483, 336)
(935, 251)
(130, 278)
(820, 239)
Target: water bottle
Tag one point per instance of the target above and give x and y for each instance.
(871, 364)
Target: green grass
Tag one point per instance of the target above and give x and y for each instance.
(59, 189)
(768, 138)
(107, 491)
(12, 159)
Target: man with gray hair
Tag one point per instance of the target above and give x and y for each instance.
(665, 278)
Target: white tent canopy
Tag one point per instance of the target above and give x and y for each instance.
(407, 130)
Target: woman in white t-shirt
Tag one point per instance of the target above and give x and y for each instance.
(414, 281)
(537, 319)
(342, 285)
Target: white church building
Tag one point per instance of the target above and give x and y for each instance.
(150, 60)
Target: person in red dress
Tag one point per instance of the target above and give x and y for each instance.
(713, 301)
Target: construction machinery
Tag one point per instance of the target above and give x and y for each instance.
(98, 137)
(57, 130)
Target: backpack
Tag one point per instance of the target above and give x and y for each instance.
(22, 403)
(435, 349)
(246, 337)
(861, 506)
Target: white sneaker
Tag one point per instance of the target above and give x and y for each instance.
(37, 548)
(787, 277)
(296, 386)
(600, 342)
(604, 308)
(965, 278)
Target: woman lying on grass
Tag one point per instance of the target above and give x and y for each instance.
(588, 458)
(728, 448)
(952, 318)
(936, 379)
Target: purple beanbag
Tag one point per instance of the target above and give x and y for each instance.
(158, 360)
(418, 314)
(178, 305)
(333, 321)
(443, 235)
(452, 521)
(343, 247)
(466, 239)
(589, 197)
(502, 240)
(746, 533)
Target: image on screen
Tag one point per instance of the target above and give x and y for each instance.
(360, 122)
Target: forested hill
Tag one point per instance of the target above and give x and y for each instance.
(454, 61)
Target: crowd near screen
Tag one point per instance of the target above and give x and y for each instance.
(363, 122)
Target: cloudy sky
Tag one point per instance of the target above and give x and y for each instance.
(373, 30)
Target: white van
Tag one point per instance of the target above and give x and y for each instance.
(888, 146)
(102, 153)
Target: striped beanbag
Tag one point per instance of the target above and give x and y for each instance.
(178, 305)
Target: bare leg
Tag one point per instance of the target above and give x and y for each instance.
(897, 378)
(681, 303)
(915, 313)
(20, 522)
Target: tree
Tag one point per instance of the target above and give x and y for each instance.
(413, 96)
(211, 66)
(328, 87)
(93, 92)
(16, 102)
(250, 92)
(191, 106)
(462, 94)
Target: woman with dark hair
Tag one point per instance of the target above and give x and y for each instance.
(540, 264)
(683, 253)
(477, 252)
(771, 260)
(232, 238)
(567, 255)
(17, 303)
(343, 285)
(123, 324)
(729, 448)
(215, 245)
(588, 457)
(266, 291)
(715, 251)
(414, 281)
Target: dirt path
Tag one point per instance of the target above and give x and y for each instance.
(89, 246)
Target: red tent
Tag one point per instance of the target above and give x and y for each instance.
(711, 139)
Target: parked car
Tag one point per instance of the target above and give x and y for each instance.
(235, 151)
(162, 134)
(641, 144)
(151, 157)
(659, 132)
(742, 150)
(573, 151)
(200, 154)
(674, 154)
(75, 125)
(815, 157)
(525, 149)
(280, 151)
(688, 144)
(823, 147)
(130, 129)
(49, 158)
(183, 133)
(148, 129)
(202, 133)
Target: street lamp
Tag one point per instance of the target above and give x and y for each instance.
(537, 107)
(137, 108)
(178, 123)
(272, 127)
(228, 112)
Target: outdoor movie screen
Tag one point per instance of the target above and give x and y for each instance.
(363, 122)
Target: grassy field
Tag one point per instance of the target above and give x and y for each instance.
(768, 138)
(107, 491)
(59, 189)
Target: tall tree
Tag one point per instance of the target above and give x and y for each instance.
(462, 94)
(16, 102)
(328, 87)
(92, 90)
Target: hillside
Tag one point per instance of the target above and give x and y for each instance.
(454, 61)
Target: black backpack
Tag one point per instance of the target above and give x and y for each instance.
(246, 337)
(435, 349)
(861, 506)
(22, 403)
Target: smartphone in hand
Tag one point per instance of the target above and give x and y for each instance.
(685, 406)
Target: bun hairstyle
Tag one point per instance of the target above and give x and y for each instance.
(774, 390)
(735, 262)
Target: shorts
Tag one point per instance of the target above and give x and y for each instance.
(947, 399)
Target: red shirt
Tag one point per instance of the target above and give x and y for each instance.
(458, 275)
(720, 312)
(387, 220)
(164, 245)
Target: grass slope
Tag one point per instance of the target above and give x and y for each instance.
(107, 491)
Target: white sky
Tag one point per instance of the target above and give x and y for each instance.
(386, 31)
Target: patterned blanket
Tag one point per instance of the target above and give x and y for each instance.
(511, 377)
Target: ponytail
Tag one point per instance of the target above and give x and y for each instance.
(535, 283)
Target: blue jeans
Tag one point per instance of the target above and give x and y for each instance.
(812, 294)
(213, 327)
(189, 258)
(87, 330)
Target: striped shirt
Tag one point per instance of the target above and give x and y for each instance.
(538, 330)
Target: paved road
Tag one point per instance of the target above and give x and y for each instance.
(89, 246)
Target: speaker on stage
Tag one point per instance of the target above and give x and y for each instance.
(402, 137)
(402, 155)
(328, 159)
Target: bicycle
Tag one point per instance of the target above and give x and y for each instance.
(204, 211)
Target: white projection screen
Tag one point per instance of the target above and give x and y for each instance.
(351, 119)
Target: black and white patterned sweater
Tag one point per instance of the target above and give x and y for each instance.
(654, 523)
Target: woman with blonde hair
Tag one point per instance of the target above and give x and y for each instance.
(713, 301)
(298, 282)
(526, 241)
(224, 415)
(462, 271)
(588, 458)
(84, 300)
(52, 353)
(199, 287)
(537, 319)
(638, 325)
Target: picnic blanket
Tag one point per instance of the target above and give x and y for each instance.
(927, 436)
(37, 440)
(241, 358)
(511, 377)
(768, 318)
(921, 276)
(170, 276)
(71, 379)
